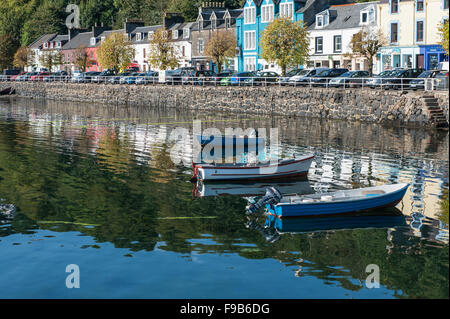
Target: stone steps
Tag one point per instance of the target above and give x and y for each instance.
(436, 113)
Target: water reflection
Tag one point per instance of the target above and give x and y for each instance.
(105, 173)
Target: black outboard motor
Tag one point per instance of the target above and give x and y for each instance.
(273, 197)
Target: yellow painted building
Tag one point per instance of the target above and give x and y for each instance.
(410, 28)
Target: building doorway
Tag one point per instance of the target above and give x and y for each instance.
(420, 61)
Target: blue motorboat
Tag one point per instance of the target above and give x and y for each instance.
(333, 203)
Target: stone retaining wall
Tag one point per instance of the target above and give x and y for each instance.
(346, 104)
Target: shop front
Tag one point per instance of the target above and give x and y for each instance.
(432, 56)
(399, 57)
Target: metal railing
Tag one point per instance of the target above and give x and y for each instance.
(437, 83)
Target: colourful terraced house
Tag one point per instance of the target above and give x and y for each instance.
(256, 16)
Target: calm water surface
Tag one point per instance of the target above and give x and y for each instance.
(94, 186)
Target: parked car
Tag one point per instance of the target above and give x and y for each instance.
(441, 81)
(349, 79)
(76, 77)
(263, 78)
(26, 76)
(199, 77)
(148, 77)
(116, 79)
(324, 77)
(419, 83)
(304, 76)
(103, 76)
(39, 77)
(14, 77)
(178, 76)
(7, 74)
(60, 76)
(226, 81)
(400, 79)
(285, 79)
(124, 79)
(377, 79)
(239, 78)
(222, 75)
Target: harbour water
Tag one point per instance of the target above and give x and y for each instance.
(95, 186)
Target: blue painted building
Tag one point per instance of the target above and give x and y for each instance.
(257, 14)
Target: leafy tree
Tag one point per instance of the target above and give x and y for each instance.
(7, 49)
(51, 59)
(366, 43)
(285, 43)
(81, 59)
(444, 32)
(24, 57)
(162, 52)
(48, 18)
(97, 11)
(116, 52)
(221, 47)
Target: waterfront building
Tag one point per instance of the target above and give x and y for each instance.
(256, 16)
(212, 17)
(411, 28)
(47, 43)
(332, 32)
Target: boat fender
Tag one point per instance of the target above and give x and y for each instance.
(272, 197)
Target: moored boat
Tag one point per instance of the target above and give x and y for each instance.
(231, 141)
(284, 168)
(334, 203)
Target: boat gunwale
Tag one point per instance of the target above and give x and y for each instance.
(344, 201)
(279, 163)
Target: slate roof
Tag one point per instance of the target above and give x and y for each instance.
(41, 40)
(345, 16)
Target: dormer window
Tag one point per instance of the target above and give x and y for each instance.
(367, 16)
(138, 36)
(186, 33)
(45, 45)
(58, 45)
(213, 24)
(249, 15)
(175, 34)
(287, 10)
(319, 21)
(103, 39)
(150, 35)
(267, 13)
(227, 23)
(93, 41)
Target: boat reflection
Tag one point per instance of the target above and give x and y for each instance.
(300, 187)
(274, 227)
(381, 219)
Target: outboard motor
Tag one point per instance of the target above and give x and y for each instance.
(273, 197)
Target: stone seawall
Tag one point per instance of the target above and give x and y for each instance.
(345, 104)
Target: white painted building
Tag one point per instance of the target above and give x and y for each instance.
(332, 32)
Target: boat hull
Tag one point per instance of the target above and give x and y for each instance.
(339, 207)
(284, 169)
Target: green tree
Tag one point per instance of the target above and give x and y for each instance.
(286, 43)
(7, 50)
(444, 33)
(221, 47)
(116, 52)
(97, 11)
(162, 53)
(366, 43)
(48, 18)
